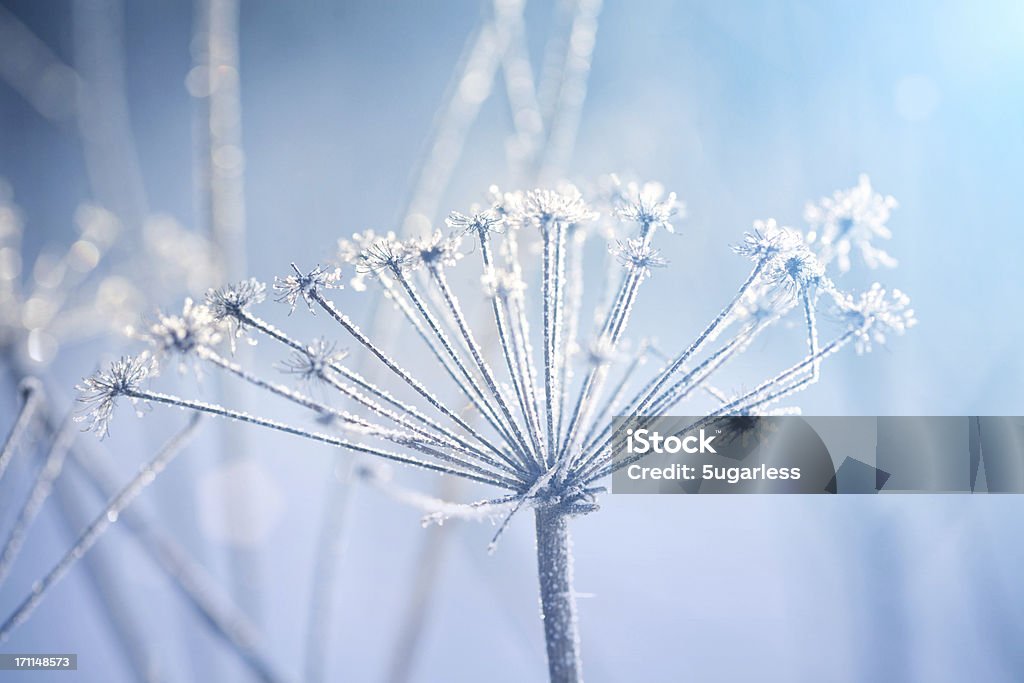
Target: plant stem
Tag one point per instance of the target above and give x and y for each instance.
(557, 599)
(101, 523)
(31, 393)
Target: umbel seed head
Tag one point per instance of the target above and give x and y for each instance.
(98, 393)
(304, 285)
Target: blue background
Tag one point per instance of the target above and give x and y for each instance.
(747, 110)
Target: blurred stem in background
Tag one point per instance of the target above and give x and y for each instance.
(212, 608)
(471, 85)
(30, 391)
(102, 573)
(91, 96)
(427, 573)
(219, 161)
(563, 117)
(329, 552)
(104, 124)
(26, 64)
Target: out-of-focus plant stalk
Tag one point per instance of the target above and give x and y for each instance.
(219, 179)
(104, 123)
(31, 392)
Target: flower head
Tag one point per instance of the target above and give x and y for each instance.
(507, 205)
(385, 254)
(304, 286)
(788, 263)
(851, 219)
(796, 272)
(637, 255)
(312, 362)
(229, 304)
(98, 393)
(433, 251)
(647, 205)
(181, 335)
(543, 207)
(767, 240)
(489, 220)
(874, 314)
(351, 249)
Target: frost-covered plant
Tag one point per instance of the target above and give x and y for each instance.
(544, 437)
(851, 220)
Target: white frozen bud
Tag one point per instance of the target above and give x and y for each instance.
(851, 220)
(637, 255)
(313, 361)
(876, 313)
(544, 207)
(479, 223)
(385, 254)
(434, 251)
(98, 393)
(767, 240)
(196, 327)
(350, 250)
(305, 285)
(648, 205)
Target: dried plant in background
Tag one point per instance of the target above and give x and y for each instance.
(544, 440)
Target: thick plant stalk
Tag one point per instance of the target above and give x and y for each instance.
(557, 600)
